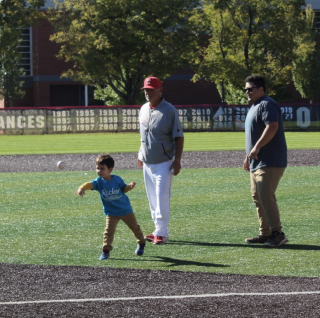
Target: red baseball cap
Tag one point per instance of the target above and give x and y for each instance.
(151, 83)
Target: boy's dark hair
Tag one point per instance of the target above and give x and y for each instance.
(106, 160)
(257, 80)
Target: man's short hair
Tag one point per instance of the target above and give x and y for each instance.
(257, 80)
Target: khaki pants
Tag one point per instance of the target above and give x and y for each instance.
(264, 183)
(111, 225)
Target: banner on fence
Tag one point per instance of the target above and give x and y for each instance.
(126, 119)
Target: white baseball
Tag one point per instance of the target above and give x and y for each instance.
(172, 171)
(61, 164)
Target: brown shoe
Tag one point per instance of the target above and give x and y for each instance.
(258, 239)
(276, 239)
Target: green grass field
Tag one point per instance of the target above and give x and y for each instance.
(43, 222)
(129, 142)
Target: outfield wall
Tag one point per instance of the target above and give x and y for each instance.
(94, 119)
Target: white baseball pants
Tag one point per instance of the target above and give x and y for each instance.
(158, 181)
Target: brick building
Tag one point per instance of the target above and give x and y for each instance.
(44, 85)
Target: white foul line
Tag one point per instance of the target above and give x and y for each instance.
(152, 298)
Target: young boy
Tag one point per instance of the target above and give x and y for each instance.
(116, 204)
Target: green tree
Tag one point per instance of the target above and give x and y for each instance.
(15, 14)
(306, 68)
(118, 43)
(252, 37)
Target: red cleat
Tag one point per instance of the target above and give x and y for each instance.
(149, 237)
(160, 239)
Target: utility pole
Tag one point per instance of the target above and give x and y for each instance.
(223, 93)
(6, 99)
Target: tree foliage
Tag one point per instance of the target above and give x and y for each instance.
(15, 14)
(306, 67)
(253, 37)
(118, 43)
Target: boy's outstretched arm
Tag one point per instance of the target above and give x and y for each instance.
(129, 187)
(82, 189)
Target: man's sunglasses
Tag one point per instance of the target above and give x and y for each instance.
(249, 89)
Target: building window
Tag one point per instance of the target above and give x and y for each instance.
(25, 48)
(317, 21)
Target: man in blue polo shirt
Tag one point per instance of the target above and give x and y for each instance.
(266, 159)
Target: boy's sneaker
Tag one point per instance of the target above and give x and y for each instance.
(140, 249)
(276, 239)
(258, 239)
(104, 255)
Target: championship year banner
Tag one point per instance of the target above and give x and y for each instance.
(224, 118)
(62, 120)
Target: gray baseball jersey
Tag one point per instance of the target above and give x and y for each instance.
(158, 129)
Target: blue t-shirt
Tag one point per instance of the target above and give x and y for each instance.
(115, 201)
(274, 153)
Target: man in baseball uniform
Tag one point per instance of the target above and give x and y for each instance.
(159, 155)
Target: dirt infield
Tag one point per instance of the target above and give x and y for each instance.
(196, 159)
(46, 291)
(56, 291)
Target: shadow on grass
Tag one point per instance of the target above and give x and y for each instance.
(180, 262)
(173, 261)
(285, 246)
